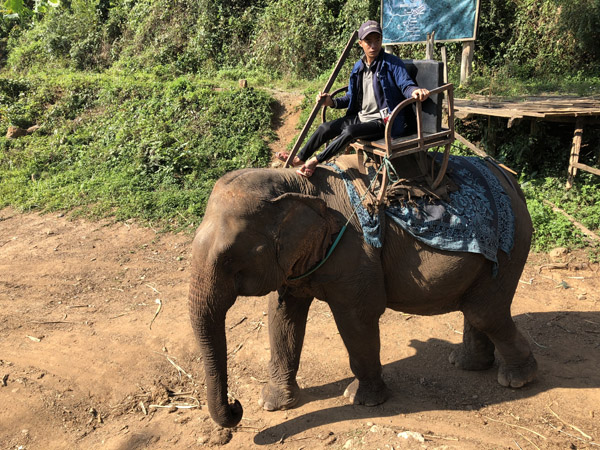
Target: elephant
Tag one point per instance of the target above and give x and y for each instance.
(264, 228)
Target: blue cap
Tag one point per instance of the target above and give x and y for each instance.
(370, 26)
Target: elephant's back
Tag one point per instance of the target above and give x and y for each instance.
(261, 183)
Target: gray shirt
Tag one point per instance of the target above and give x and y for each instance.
(369, 110)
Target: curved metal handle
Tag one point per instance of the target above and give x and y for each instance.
(333, 94)
(409, 101)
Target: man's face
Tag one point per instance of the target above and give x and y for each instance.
(371, 45)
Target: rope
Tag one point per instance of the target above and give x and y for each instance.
(329, 252)
(391, 170)
(385, 163)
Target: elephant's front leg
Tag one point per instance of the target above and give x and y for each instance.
(359, 330)
(287, 326)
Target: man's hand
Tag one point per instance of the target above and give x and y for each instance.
(420, 94)
(325, 99)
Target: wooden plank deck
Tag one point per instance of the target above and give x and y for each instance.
(559, 109)
(542, 108)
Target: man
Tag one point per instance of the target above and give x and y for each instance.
(378, 83)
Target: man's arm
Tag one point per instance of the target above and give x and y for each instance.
(344, 101)
(406, 84)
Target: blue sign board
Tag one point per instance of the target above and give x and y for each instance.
(405, 21)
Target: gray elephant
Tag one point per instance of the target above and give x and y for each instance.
(264, 227)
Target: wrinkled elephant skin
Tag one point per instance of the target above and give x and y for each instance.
(263, 227)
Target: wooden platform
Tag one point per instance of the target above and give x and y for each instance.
(580, 110)
(544, 108)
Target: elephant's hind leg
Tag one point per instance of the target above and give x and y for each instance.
(517, 365)
(287, 326)
(476, 351)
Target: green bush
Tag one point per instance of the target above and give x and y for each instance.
(526, 38)
(130, 147)
(552, 229)
(581, 19)
(286, 37)
(146, 136)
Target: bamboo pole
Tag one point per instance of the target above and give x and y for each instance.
(478, 151)
(317, 106)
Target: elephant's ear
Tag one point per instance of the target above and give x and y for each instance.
(305, 230)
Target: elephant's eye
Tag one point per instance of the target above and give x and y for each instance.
(227, 263)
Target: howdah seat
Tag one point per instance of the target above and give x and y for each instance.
(424, 130)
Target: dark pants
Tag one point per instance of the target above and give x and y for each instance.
(343, 131)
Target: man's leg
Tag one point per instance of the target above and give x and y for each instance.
(372, 130)
(325, 132)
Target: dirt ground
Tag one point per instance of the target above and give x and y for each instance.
(97, 352)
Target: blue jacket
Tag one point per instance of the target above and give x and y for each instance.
(395, 85)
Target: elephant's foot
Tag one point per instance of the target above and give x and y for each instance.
(367, 393)
(274, 398)
(466, 360)
(517, 376)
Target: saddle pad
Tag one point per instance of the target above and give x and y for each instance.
(478, 218)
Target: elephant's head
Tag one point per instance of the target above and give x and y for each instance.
(248, 244)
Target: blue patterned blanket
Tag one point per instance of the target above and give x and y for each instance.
(478, 218)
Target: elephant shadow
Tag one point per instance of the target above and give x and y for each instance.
(565, 344)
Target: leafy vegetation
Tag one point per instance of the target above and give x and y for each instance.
(554, 230)
(140, 112)
(127, 146)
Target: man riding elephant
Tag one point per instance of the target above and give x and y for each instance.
(378, 83)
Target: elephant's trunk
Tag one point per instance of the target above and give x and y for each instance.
(207, 311)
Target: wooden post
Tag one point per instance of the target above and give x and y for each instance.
(575, 148)
(490, 137)
(316, 108)
(533, 128)
(466, 63)
(429, 46)
(445, 62)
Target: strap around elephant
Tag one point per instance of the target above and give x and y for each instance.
(384, 163)
(329, 252)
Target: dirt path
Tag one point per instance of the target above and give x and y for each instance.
(94, 330)
(287, 114)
